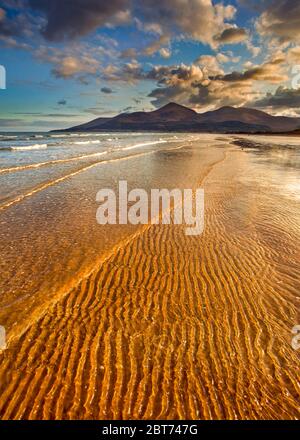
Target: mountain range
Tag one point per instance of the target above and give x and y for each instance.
(175, 117)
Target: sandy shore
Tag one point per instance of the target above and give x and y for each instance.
(167, 326)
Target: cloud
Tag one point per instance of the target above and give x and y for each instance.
(128, 53)
(255, 50)
(232, 35)
(65, 19)
(68, 64)
(197, 19)
(128, 73)
(174, 83)
(17, 26)
(48, 115)
(210, 64)
(205, 85)
(293, 55)
(106, 90)
(280, 19)
(270, 72)
(150, 28)
(207, 82)
(96, 111)
(282, 98)
(173, 75)
(4, 122)
(59, 20)
(13, 43)
(156, 45)
(165, 52)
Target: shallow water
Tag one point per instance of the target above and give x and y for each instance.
(49, 235)
(137, 322)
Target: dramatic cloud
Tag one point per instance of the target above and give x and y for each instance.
(211, 64)
(19, 25)
(282, 98)
(69, 19)
(175, 83)
(232, 35)
(270, 72)
(280, 19)
(76, 60)
(217, 94)
(197, 19)
(204, 84)
(58, 20)
(68, 65)
(84, 51)
(189, 85)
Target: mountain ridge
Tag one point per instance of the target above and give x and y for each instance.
(175, 117)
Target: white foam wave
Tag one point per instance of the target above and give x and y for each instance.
(28, 147)
(87, 142)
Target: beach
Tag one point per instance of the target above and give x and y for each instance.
(143, 321)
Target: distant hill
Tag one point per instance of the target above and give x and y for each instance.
(290, 133)
(175, 117)
(252, 117)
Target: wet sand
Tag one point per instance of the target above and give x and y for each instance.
(151, 323)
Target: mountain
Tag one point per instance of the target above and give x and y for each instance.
(252, 117)
(175, 117)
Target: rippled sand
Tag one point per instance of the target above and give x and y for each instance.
(151, 323)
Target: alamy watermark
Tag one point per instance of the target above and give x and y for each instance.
(2, 77)
(296, 77)
(160, 206)
(2, 338)
(296, 338)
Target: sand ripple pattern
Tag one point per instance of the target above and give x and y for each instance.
(169, 327)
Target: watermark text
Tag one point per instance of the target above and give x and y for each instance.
(160, 206)
(2, 77)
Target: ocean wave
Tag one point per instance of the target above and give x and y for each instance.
(51, 162)
(7, 138)
(25, 147)
(59, 135)
(87, 142)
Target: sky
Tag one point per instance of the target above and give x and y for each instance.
(71, 61)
